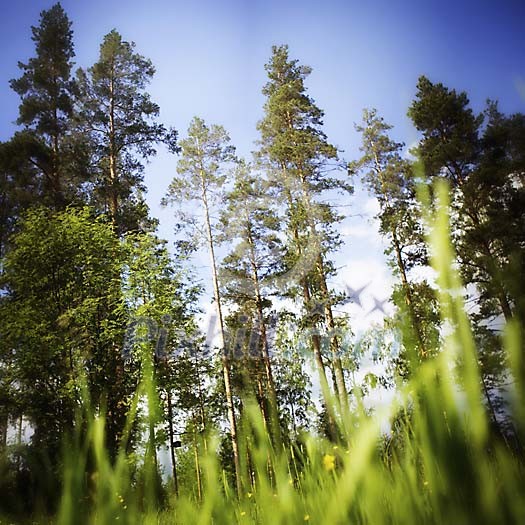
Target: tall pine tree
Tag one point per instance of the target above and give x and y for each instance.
(205, 152)
(121, 120)
(297, 155)
(247, 275)
(48, 142)
(389, 178)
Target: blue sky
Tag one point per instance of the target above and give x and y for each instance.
(210, 55)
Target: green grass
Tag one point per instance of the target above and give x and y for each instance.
(439, 464)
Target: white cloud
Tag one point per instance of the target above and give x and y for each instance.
(361, 230)
(371, 206)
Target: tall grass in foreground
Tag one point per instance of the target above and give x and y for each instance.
(438, 465)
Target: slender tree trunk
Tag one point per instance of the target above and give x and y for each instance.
(307, 297)
(197, 468)
(4, 415)
(335, 347)
(201, 431)
(401, 263)
(113, 211)
(492, 410)
(172, 444)
(55, 156)
(19, 441)
(316, 340)
(225, 351)
(342, 393)
(321, 370)
(4, 214)
(202, 412)
(408, 295)
(270, 383)
(294, 424)
(113, 175)
(4, 423)
(57, 186)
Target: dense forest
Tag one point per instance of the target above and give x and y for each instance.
(115, 404)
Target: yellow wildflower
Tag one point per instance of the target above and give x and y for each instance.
(329, 462)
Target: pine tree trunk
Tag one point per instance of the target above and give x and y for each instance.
(172, 444)
(408, 295)
(401, 264)
(225, 351)
(341, 392)
(197, 468)
(492, 410)
(273, 419)
(316, 341)
(4, 423)
(55, 157)
(113, 175)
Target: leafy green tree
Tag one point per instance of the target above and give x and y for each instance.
(191, 407)
(205, 152)
(62, 323)
(36, 164)
(121, 120)
(161, 306)
(297, 156)
(389, 178)
(497, 182)
(293, 383)
(499, 177)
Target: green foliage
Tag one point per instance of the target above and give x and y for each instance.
(296, 155)
(62, 318)
(389, 177)
(205, 153)
(251, 223)
(45, 84)
(48, 150)
(120, 119)
(483, 165)
(103, 365)
(248, 276)
(453, 147)
(433, 465)
(450, 130)
(294, 150)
